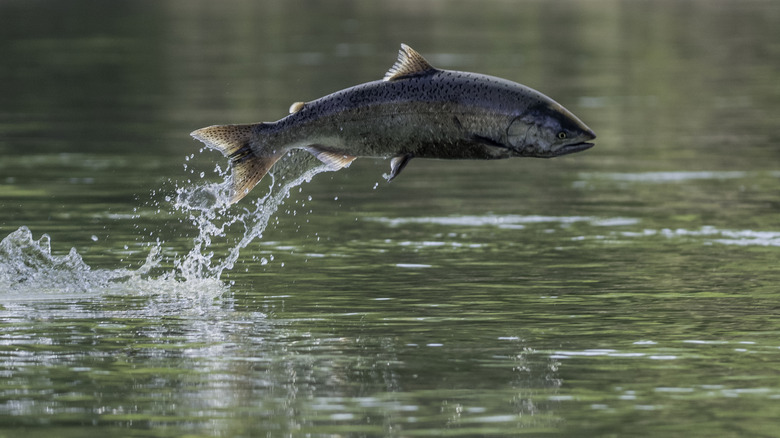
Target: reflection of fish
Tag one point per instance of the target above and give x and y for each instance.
(415, 111)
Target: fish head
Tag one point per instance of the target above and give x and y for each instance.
(548, 130)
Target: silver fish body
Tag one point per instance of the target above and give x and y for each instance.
(416, 111)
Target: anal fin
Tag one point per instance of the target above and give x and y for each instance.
(397, 164)
(334, 160)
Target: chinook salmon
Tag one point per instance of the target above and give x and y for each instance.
(416, 111)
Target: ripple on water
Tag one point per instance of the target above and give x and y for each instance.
(708, 235)
(716, 235)
(505, 221)
(518, 222)
(664, 177)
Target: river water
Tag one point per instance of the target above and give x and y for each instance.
(629, 290)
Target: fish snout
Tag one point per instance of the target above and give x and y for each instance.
(589, 134)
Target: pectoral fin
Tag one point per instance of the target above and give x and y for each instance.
(334, 160)
(397, 164)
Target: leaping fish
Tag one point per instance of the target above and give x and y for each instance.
(415, 111)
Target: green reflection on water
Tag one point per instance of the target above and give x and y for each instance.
(629, 290)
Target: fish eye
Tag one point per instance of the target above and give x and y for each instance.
(562, 135)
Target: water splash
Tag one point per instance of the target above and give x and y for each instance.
(24, 260)
(28, 267)
(207, 208)
(27, 264)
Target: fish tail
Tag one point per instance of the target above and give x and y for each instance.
(249, 165)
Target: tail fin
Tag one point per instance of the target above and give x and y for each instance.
(235, 142)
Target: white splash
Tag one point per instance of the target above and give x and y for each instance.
(29, 269)
(207, 208)
(27, 264)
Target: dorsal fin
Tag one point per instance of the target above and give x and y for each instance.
(409, 63)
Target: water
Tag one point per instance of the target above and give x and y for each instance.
(627, 290)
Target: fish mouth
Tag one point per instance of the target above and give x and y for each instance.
(571, 149)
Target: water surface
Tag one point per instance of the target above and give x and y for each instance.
(627, 290)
